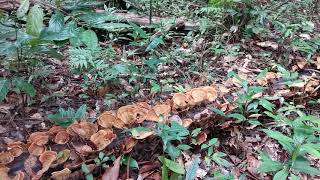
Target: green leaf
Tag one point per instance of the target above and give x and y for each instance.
(302, 165)
(217, 157)
(268, 165)
(35, 21)
(266, 104)
(192, 169)
(23, 8)
(164, 173)
(262, 74)
(154, 43)
(85, 168)
(237, 116)
(183, 147)
(4, 89)
(89, 177)
(173, 166)
(294, 177)
(285, 141)
(155, 88)
(211, 142)
(281, 175)
(25, 87)
(218, 111)
(309, 148)
(56, 22)
(90, 39)
(195, 132)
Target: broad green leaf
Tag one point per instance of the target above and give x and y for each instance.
(89, 177)
(164, 172)
(311, 150)
(23, 8)
(218, 111)
(302, 165)
(85, 168)
(192, 169)
(294, 177)
(154, 43)
(35, 21)
(285, 141)
(56, 22)
(237, 116)
(266, 104)
(268, 165)
(173, 166)
(217, 157)
(183, 147)
(281, 175)
(90, 39)
(195, 132)
(262, 74)
(4, 89)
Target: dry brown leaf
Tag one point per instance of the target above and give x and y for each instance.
(62, 137)
(311, 85)
(36, 150)
(61, 175)
(83, 129)
(129, 144)
(29, 164)
(108, 119)
(201, 138)
(112, 173)
(6, 158)
(103, 138)
(318, 62)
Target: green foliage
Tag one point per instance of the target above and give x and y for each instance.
(173, 166)
(65, 118)
(168, 134)
(88, 174)
(4, 89)
(191, 171)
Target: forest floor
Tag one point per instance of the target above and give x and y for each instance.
(205, 92)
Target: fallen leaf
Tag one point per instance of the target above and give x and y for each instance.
(201, 138)
(265, 44)
(112, 173)
(318, 62)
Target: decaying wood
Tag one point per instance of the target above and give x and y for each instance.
(143, 20)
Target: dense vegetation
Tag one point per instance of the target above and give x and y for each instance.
(233, 86)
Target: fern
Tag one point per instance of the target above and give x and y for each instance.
(80, 58)
(66, 117)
